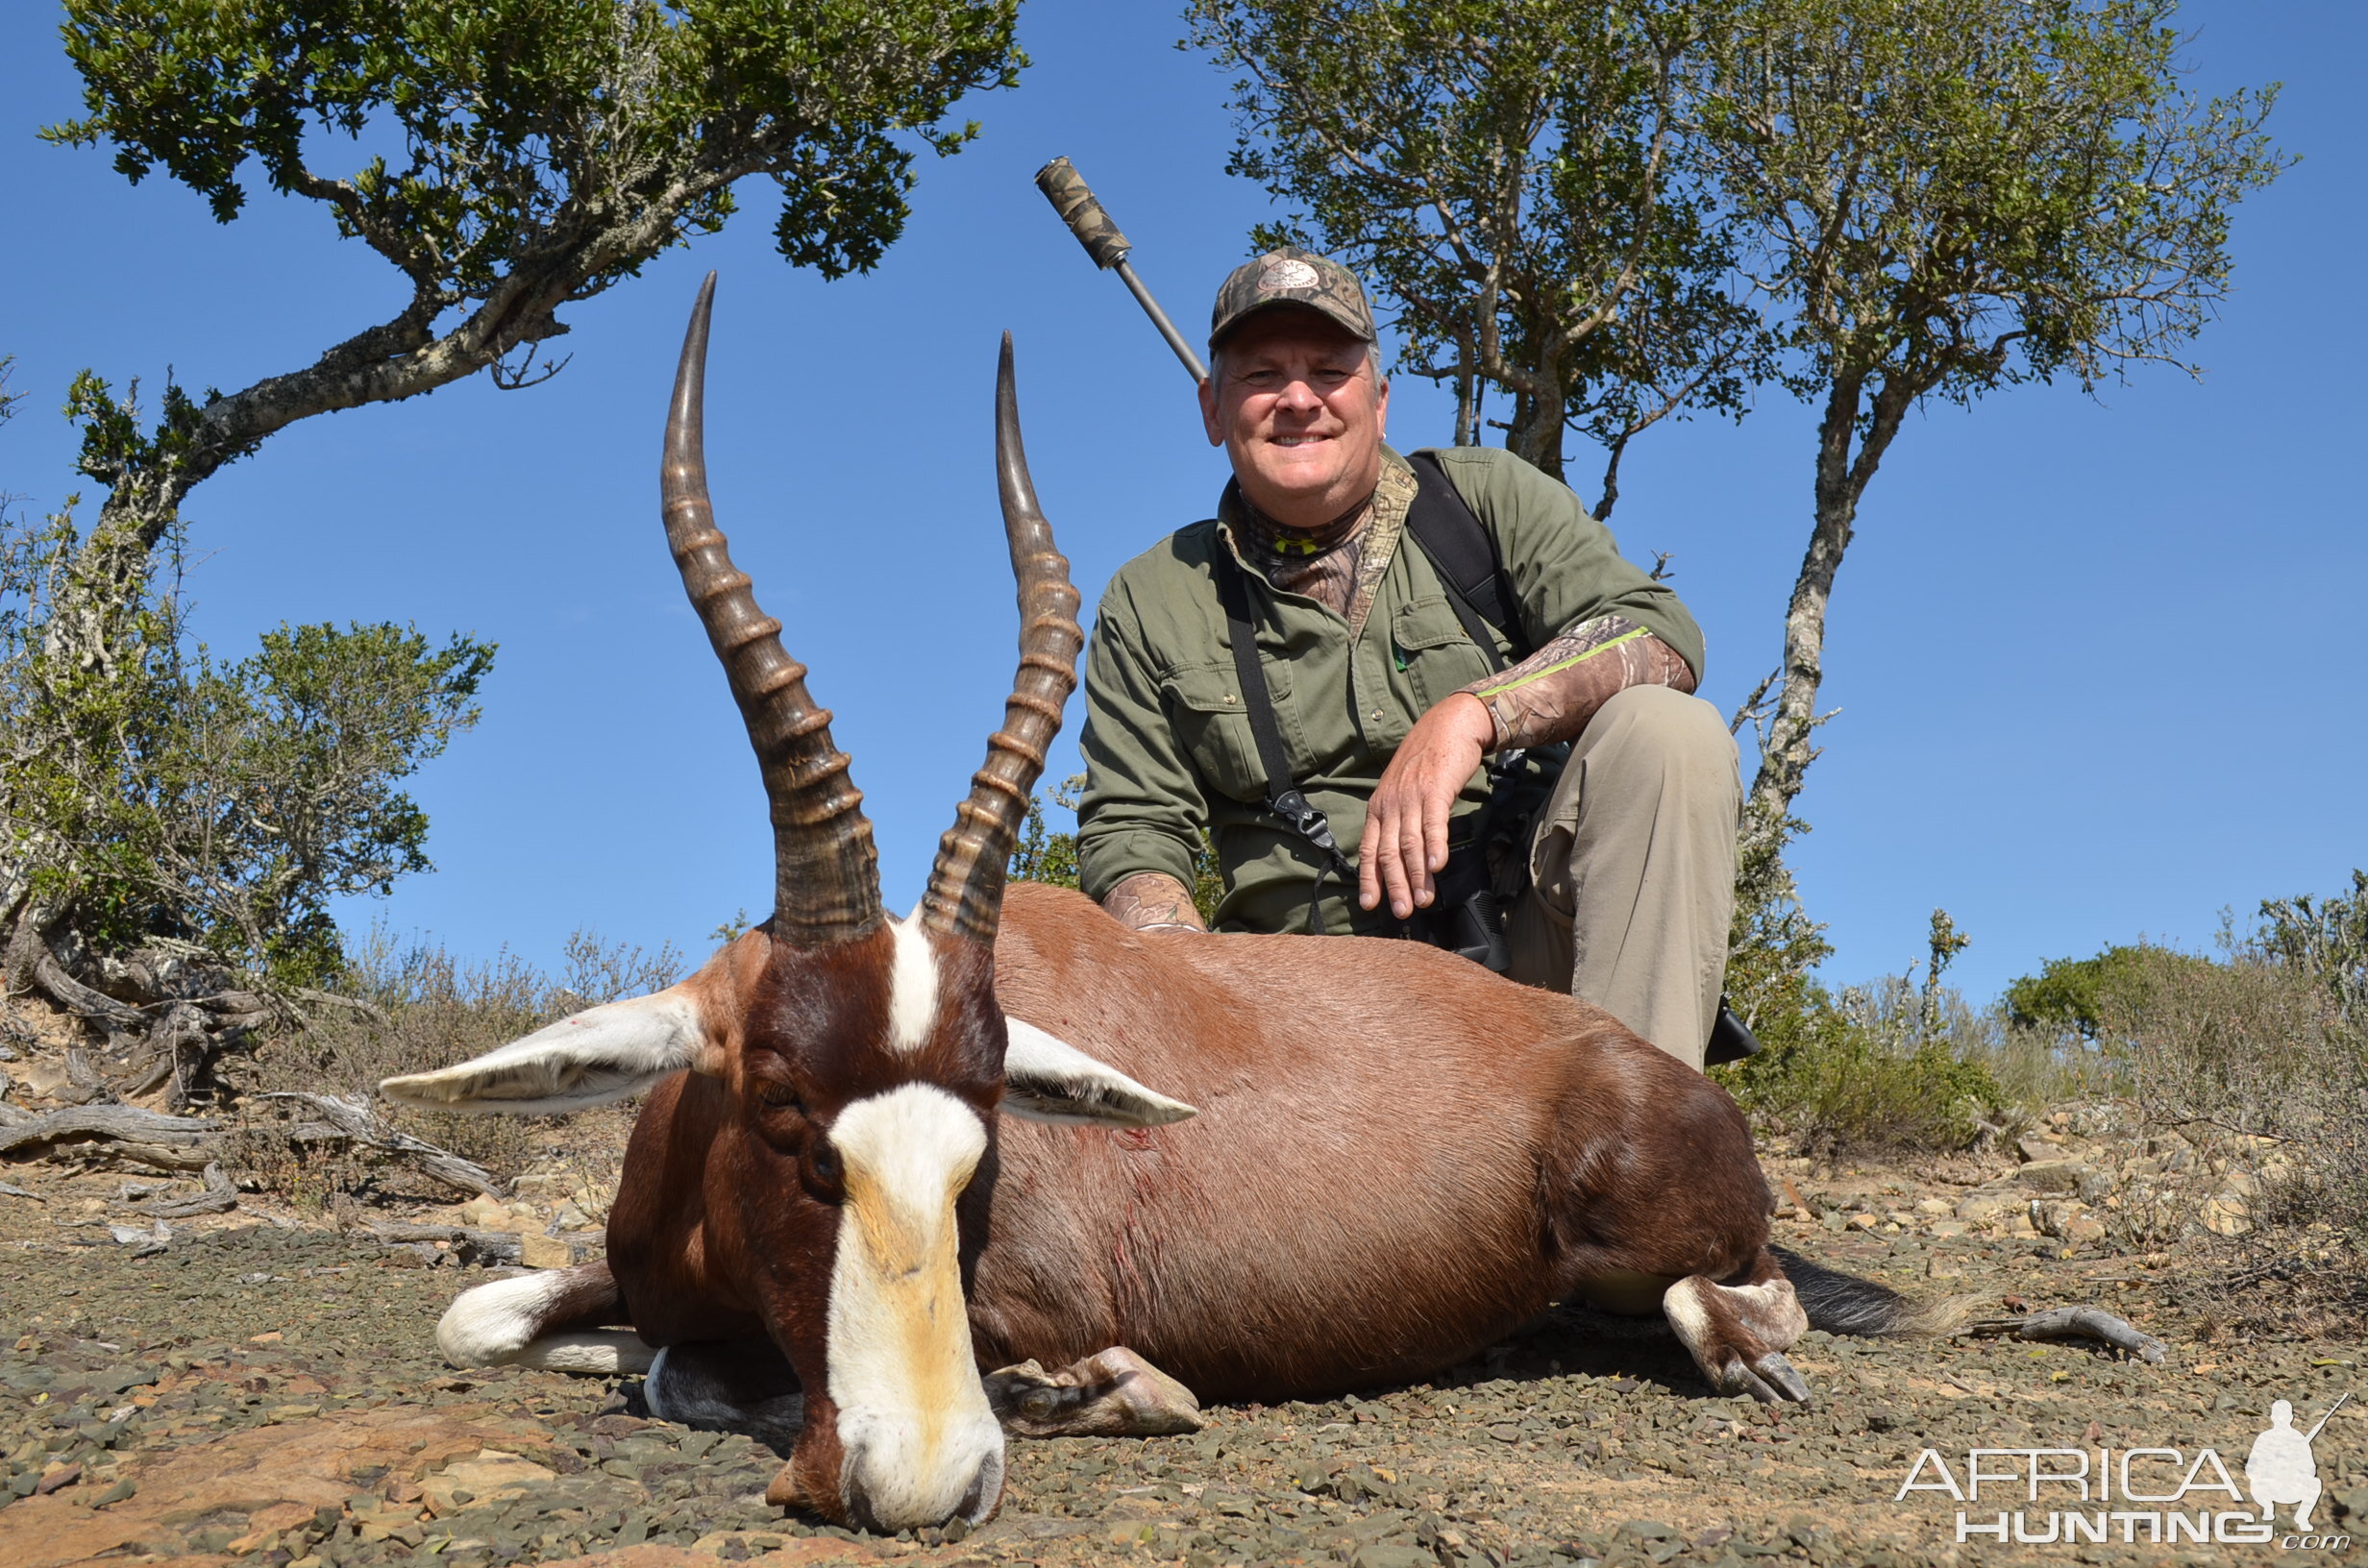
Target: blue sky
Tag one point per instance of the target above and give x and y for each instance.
(2098, 662)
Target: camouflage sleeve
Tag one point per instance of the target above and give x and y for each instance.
(1551, 694)
(1154, 901)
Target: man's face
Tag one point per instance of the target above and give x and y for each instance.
(1296, 405)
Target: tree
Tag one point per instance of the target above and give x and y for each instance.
(203, 814)
(1511, 177)
(1941, 197)
(549, 149)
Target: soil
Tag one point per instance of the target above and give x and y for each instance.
(262, 1387)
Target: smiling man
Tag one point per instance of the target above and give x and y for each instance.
(1381, 691)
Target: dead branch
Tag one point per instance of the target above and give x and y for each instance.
(107, 1122)
(2090, 1323)
(221, 1195)
(358, 1122)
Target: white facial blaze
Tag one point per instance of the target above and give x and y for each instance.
(912, 988)
(913, 1417)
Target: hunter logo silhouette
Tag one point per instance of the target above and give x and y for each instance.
(2282, 1468)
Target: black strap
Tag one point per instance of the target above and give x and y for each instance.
(1283, 797)
(1462, 551)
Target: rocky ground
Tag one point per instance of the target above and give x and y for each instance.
(260, 1386)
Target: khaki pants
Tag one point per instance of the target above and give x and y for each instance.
(1632, 869)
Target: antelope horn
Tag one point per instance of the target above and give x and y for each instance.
(826, 875)
(964, 896)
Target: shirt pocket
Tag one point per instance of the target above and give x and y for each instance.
(1205, 706)
(1430, 645)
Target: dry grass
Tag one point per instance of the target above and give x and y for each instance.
(2250, 1077)
(424, 1009)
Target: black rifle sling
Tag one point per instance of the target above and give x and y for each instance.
(1463, 553)
(1283, 797)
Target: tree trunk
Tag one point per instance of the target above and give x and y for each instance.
(1785, 751)
(1536, 433)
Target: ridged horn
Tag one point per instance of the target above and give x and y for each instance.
(964, 896)
(826, 875)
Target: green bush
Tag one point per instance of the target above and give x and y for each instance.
(2076, 994)
(1868, 1068)
(158, 792)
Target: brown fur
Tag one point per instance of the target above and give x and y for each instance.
(1399, 1157)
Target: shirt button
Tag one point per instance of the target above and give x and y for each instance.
(1376, 713)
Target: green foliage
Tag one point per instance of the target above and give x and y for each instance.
(161, 794)
(1865, 1069)
(511, 158)
(523, 123)
(1046, 856)
(2326, 940)
(1511, 177)
(1946, 195)
(2077, 994)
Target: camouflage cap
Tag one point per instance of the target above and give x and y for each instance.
(1291, 276)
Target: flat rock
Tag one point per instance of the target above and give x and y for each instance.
(256, 1472)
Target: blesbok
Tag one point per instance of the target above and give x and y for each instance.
(857, 1159)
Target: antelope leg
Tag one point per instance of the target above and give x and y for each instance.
(1114, 1394)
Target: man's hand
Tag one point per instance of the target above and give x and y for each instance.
(1152, 901)
(1405, 841)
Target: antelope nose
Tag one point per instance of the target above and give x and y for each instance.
(885, 1503)
(985, 1494)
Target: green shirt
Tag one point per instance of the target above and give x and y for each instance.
(1168, 744)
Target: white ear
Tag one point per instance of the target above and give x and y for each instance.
(601, 1054)
(1049, 1079)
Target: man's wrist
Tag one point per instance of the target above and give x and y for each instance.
(1154, 900)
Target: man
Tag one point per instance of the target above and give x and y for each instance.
(1384, 707)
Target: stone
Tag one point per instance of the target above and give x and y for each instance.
(2051, 1218)
(540, 1251)
(1931, 1207)
(2225, 1213)
(492, 1477)
(2066, 1176)
(1982, 1205)
(1861, 1222)
(253, 1471)
(1392, 1554)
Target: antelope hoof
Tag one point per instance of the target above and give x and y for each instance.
(1737, 1334)
(1770, 1380)
(1114, 1394)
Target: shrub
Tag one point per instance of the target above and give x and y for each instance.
(1872, 1068)
(2250, 1076)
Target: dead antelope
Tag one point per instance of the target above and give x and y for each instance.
(860, 1176)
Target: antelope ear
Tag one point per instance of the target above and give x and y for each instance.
(590, 1058)
(1049, 1079)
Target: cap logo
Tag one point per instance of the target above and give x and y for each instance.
(1284, 275)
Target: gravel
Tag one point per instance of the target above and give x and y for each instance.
(272, 1395)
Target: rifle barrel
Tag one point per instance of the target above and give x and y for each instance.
(1075, 203)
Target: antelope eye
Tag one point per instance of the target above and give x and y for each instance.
(778, 1095)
